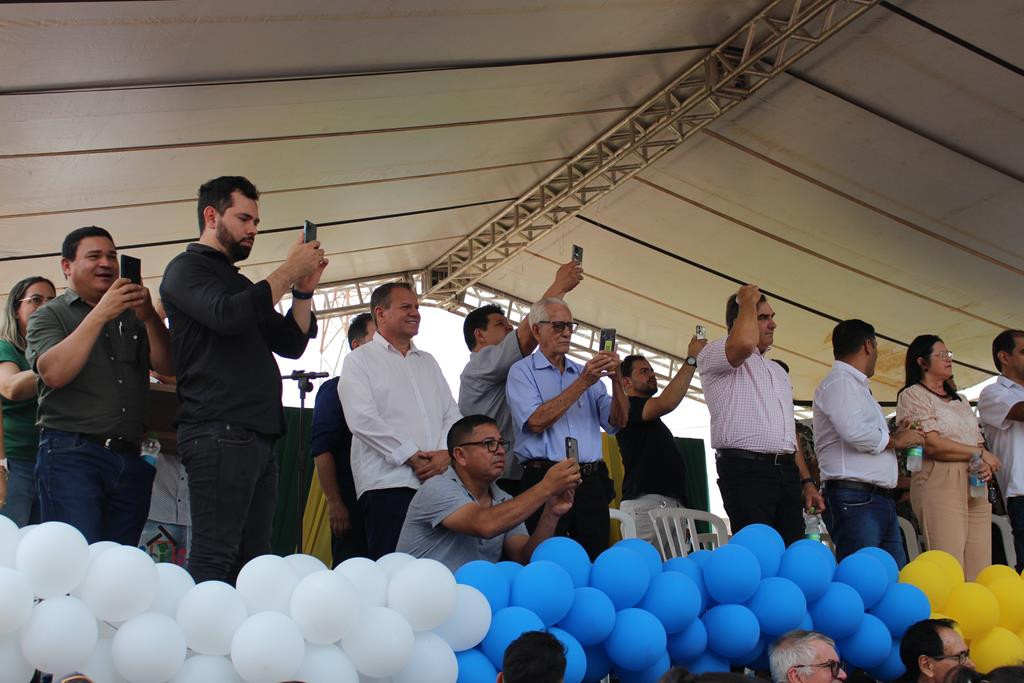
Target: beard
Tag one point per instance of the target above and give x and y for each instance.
(236, 250)
(647, 389)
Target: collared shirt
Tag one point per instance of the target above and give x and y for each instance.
(533, 381)
(330, 434)
(224, 332)
(108, 397)
(1005, 436)
(751, 406)
(850, 431)
(424, 534)
(395, 405)
(169, 502)
(649, 456)
(482, 385)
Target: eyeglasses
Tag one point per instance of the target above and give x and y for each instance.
(944, 354)
(960, 657)
(490, 444)
(560, 326)
(833, 666)
(36, 299)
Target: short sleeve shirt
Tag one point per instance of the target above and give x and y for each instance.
(953, 420)
(21, 436)
(649, 456)
(424, 535)
(482, 384)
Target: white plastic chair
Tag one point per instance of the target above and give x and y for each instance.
(1002, 522)
(675, 529)
(910, 538)
(627, 527)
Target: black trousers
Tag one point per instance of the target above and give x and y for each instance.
(232, 482)
(587, 522)
(353, 543)
(384, 513)
(759, 491)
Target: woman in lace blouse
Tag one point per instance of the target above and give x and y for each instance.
(950, 519)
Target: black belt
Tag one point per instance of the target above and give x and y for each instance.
(586, 468)
(859, 486)
(741, 454)
(114, 444)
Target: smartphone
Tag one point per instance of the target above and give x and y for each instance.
(309, 232)
(572, 449)
(131, 268)
(607, 342)
(577, 253)
(702, 332)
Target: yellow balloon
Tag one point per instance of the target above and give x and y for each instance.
(931, 578)
(998, 647)
(974, 607)
(946, 561)
(940, 615)
(1009, 592)
(995, 572)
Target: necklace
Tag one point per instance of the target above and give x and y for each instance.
(944, 396)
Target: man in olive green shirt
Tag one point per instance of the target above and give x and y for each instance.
(93, 347)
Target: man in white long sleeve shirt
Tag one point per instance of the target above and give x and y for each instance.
(399, 408)
(856, 452)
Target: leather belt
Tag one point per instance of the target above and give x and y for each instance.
(586, 468)
(114, 444)
(852, 485)
(741, 454)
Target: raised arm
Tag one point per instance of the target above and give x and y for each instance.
(567, 277)
(675, 391)
(743, 337)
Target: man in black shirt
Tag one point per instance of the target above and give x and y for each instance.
(654, 476)
(224, 332)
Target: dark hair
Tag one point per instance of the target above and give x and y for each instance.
(922, 638)
(626, 366)
(1006, 674)
(782, 364)
(921, 347)
(9, 330)
(732, 309)
(964, 674)
(382, 296)
(1004, 341)
(357, 328)
(477, 320)
(217, 193)
(69, 249)
(848, 336)
(678, 674)
(534, 657)
(464, 428)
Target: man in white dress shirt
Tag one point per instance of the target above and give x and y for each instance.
(856, 452)
(399, 408)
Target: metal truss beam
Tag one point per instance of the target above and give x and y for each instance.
(766, 45)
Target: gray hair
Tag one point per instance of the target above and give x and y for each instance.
(539, 311)
(794, 650)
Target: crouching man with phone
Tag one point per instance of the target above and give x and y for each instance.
(93, 347)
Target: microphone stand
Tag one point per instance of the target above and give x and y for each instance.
(305, 386)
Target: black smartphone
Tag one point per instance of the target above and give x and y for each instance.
(607, 342)
(308, 232)
(577, 253)
(131, 268)
(572, 449)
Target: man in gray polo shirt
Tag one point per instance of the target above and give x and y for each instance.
(460, 515)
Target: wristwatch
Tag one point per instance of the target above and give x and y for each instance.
(691, 361)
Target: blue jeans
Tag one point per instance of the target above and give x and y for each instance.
(103, 494)
(1015, 511)
(857, 519)
(22, 497)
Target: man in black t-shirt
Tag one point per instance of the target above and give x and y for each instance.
(655, 476)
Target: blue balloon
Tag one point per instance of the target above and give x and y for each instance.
(733, 631)
(488, 579)
(688, 644)
(707, 663)
(701, 557)
(674, 599)
(647, 551)
(687, 566)
(866, 575)
(892, 570)
(766, 544)
(622, 575)
(732, 574)
(510, 569)
(575, 659)
(892, 668)
(637, 641)
(474, 667)
(901, 605)
(778, 604)
(810, 565)
(868, 647)
(545, 589)
(806, 623)
(598, 664)
(651, 674)
(591, 617)
(507, 625)
(567, 554)
(838, 612)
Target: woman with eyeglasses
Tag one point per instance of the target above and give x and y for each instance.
(950, 518)
(18, 398)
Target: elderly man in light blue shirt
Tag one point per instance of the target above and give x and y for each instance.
(551, 398)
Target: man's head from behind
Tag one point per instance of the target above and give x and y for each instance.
(229, 213)
(476, 448)
(805, 657)
(534, 657)
(360, 330)
(853, 342)
(930, 649)
(89, 261)
(396, 311)
(485, 326)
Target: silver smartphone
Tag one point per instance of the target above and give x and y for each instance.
(702, 332)
(577, 253)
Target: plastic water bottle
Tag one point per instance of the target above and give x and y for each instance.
(812, 525)
(149, 449)
(915, 454)
(979, 489)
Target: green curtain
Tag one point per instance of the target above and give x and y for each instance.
(285, 532)
(697, 496)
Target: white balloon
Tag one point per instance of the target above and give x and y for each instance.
(266, 584)
(208, 615)
(27, 528)
(325, 606)
(15, 600)
(10, 537)
(267, 648)
(100, 666)
(469, 621)
(423, 591)
(14, 668)
(304, 565)
(60, 635)
(121, 583)
(369, 579)
(105, 630)
(207, 669)
(326, 664)
(54, 558)
(149, 648)
(380, 644)
(173, 583)
(95, 550)
(392, 562)
(432, 661)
